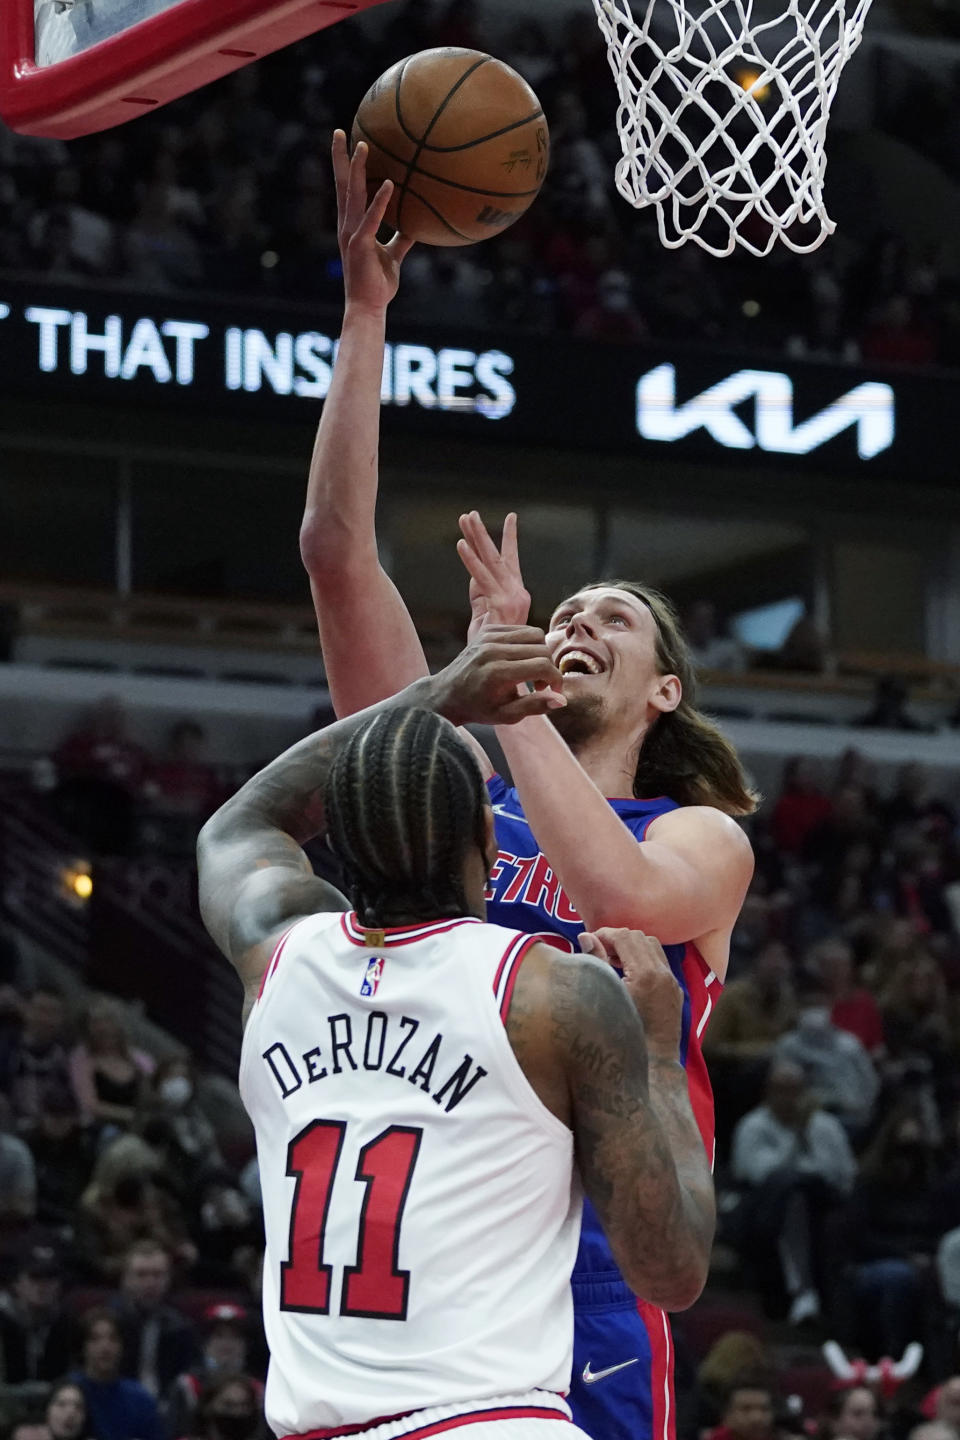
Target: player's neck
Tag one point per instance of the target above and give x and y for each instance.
(421, 915)
(611, 767)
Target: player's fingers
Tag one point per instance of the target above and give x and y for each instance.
(400, 247)
(375, 211)
(508, 544)
(479, 537)
(356, 203)
(616, 934)
(478, 571)
(527, 667)
(485, 545)
(640, 949)
(341, 169)
(468, 528)
(539, 703)
(509, 637)
(592, 945)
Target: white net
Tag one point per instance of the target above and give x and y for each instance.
(723, 114)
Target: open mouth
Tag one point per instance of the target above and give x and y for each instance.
(578, 662)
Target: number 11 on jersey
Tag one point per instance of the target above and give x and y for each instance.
(375, 1287)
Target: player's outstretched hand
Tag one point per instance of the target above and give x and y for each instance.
(497, 592)
(486, 683)
(371, 271)
(650, 983)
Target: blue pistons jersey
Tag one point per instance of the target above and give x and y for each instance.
(622, 1387)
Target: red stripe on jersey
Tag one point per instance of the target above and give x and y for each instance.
(663, 1425)
(504, 958)
(512, 974)
(274, 959)
(473, 1417)
(703, 987)
(402, 934)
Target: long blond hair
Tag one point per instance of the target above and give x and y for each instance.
(683, 754)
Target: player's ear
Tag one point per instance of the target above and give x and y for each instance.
(667, 693)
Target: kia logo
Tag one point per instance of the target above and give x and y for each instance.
(868, 408)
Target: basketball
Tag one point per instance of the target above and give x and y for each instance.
(464, 139)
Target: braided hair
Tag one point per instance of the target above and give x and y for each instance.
(404, 805)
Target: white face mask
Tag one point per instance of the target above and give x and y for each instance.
(176, 1090)
(816, 1017)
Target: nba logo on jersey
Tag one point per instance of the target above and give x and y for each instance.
(371, 980)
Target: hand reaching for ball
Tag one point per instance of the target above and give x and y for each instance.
(497, 592)
(371, 271)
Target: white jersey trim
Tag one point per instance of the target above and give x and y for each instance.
(533, 1405)
(513, 1073)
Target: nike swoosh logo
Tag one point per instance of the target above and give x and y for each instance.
(590, 1377)
(508, 814)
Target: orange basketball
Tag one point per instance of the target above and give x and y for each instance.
(463, 138)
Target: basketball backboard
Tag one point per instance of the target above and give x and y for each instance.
(71, 67)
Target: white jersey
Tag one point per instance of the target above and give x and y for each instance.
(420, 1205)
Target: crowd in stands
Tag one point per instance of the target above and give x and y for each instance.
(115, 796)
(835, 1055)
(229, 190)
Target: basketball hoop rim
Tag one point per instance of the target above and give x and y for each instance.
(158, 60)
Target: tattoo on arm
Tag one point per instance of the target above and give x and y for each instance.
(632, 1148)
(670, 1098)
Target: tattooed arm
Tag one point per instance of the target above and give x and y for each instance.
(255, 879)
(652, 986)
(581, 1042)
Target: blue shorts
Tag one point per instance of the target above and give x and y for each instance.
(622, 1385)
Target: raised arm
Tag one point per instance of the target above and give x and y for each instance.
(255, 878)
(370, 646)
(639, 1152)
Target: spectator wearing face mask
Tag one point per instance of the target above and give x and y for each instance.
(838, 1070)
(229, 1409)
(225, 1354)
(190, 1143)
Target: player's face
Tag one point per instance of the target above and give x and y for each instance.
(604, 642)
